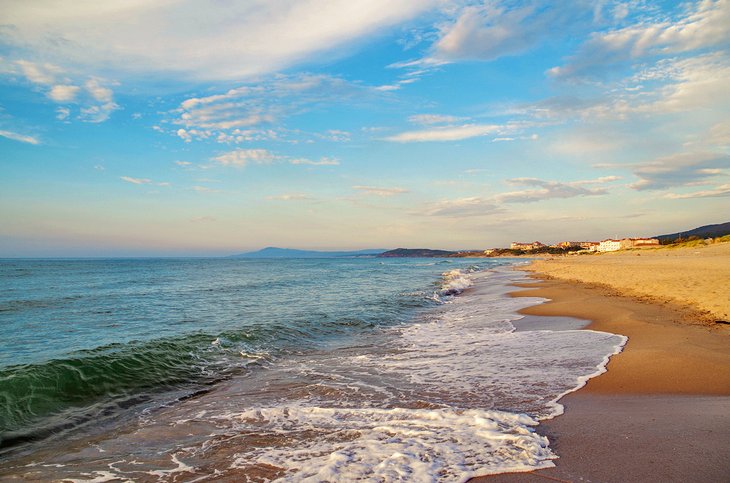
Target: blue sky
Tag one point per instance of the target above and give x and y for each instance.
(203, 128)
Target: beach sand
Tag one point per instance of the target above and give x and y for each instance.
(662, 411)
(695, 277)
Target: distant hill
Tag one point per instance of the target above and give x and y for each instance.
(274, 252)
(707, 231)
(415, 253)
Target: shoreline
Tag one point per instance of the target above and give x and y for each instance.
(661, 412)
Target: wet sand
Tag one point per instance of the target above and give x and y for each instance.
(662, 411)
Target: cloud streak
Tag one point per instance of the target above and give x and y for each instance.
(380, 191)
(446, 133)
(23, 138)
(683, 169)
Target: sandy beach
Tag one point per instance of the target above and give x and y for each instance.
(662, 410)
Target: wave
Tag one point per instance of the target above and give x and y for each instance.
(37, 400)
(454, 282)
(113, 377)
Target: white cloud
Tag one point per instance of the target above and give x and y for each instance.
(668, 86)
(241, 157)
(324, 161)
(721, 190)
(683, 169)
(335, 135)
(703, 24)
(102, 104)
(461, 207)
(62, 113)
(98, 113)
(183, 163)
(260, 36)
(244, 113)
(380, 191)
(99, 92)
(446, 133)
(39, 73)
(290, 197)
(205, 189)
(434, 119)
(129, 179)
(489, 31)
(97, 100)
(63, 93)
(719, 134)
(19, 137)
(552, 189)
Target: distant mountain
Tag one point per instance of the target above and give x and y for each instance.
(707, 231)
(415, 253)
(274, 252)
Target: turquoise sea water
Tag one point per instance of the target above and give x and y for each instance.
(77, 332)
(174, 369)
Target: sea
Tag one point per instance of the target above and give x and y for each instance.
(223, 369)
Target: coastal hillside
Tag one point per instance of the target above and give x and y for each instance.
(707, 231)
(415, 253)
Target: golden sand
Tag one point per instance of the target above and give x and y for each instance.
(697, 277)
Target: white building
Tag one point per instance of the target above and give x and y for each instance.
(609, 245)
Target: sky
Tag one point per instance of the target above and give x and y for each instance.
(205, 128)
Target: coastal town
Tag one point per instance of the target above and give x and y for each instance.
(608, 245)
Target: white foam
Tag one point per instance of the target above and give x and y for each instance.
(454, 282)
(346, 444)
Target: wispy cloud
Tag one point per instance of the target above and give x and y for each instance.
(324, 161)
(192, 45)
(380, 191)
(335, 135)
(721, 190)
(96, 99)
(434, 119)
(132, 180)
(205, 189)
(39, 73)
(681, 169)
(103, 102)
(251, 112)
(129, 179)
(446, 133)
(474, 206)
(290, 197)
(241, 157)
(492, 30)
(23, 138)
(462, 207)
(62, 113)
(545, 189)
(702, 24)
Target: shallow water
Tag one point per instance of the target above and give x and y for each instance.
(294, 370)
